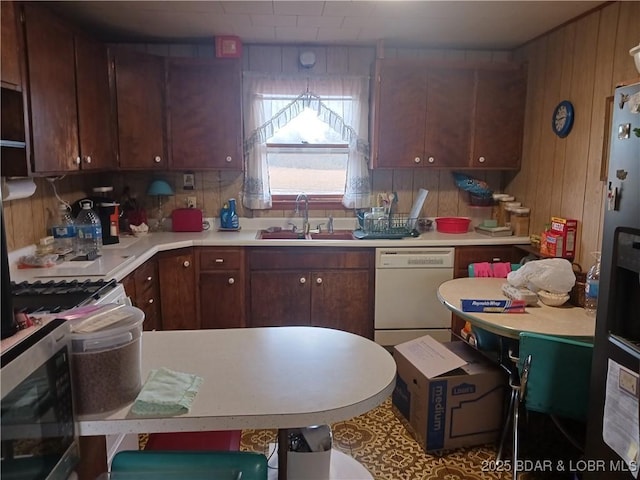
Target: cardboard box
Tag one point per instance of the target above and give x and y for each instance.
(567, 229)
(450, 393)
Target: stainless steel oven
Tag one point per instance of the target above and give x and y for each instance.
(38, 439)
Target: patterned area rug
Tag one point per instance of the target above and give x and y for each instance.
(381, 440)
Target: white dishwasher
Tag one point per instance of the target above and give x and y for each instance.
(406, 301)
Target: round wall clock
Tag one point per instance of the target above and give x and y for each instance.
(562, 119)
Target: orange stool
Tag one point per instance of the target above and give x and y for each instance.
(227, 440)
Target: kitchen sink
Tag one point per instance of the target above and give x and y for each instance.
(280, 235)
(335, 235)
(289, 235)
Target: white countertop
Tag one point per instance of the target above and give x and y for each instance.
(273, 377)
(118, 260)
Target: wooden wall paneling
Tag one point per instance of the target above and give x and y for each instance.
(290, 59)
(182, 50)
(361, 60)
(381, 181)
(560, 144)
(448, 195)
(576, 185)
(478, 56)
(627, 37)
(211, 201)
(427, 179)
(403, 185)
(7, 214)
(206, 50)
(523, 183)
(501, 56)
(548, 155)
(264, 58)
(337, 61)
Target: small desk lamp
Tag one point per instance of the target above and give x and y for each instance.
(160, 188)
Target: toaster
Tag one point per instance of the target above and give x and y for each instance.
(186, 220)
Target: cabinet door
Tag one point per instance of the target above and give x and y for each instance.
(147, 296)
(94, 112)
(176, 272)
(204, 105)
(52, 92)
(279, 298)
(139, 80)
(448, 117)
(222, 299)
(499, 119)
(400, 115)
(343, 299)
(10, 52)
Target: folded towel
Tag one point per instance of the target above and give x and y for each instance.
(482, 269)
(501, 269)
(166, 393)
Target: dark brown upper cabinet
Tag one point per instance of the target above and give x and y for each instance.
(437, 115)
(11, 51)
(204, 106)
(140, 103)
(69, 106)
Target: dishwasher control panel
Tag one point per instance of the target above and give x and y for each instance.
(414, 258)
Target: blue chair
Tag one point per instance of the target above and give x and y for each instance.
(553, 377)
(178, 465)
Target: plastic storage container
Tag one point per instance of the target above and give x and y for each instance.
(89, 230)
(106, 364)
(452, 224)
(520, 221)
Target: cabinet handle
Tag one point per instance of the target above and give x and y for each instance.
(431, 159)
(228, 159)
(319, 280)
(78, 160)
(157, 159)
(417, 160)
(481, 159)
(150, 301)
(303, 280)
(231, 281)
(87, 159)
(186, 264)
(149, 279)
(219, 260)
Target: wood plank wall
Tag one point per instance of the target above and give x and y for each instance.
(581, 62)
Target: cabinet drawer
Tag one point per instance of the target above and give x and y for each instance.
(310, 258)
(146, 277)
(220, 259)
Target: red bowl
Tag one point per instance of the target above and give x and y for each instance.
(452, 224)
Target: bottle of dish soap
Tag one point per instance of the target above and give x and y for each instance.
(224, 216)
(592, 287)
(234, 222)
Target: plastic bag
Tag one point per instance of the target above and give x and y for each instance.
(552, 274)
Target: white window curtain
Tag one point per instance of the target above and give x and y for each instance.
(268, 106)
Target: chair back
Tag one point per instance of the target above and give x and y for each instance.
(559, 374)
(192, 464)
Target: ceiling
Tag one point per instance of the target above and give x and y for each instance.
(427, 24)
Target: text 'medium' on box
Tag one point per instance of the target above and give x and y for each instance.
(450, 393)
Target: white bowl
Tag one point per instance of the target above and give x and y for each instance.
(635, 53)
(553, 299)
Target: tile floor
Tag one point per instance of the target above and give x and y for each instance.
(380, 440)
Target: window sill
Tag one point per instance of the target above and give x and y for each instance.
(318, 202)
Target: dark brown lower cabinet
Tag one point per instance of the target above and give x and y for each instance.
(176, 271)
(323, 287)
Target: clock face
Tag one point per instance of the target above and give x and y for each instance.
(562, 119)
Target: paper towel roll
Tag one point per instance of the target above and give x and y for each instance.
(13, 189)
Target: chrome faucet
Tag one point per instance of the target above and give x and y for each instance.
(305, 213)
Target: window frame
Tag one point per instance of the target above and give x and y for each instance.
(316, 201)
